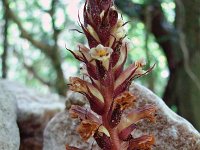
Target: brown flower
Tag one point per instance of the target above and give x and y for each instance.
(122, 102)
(87, 129)
(125, 100)
(77, 85)
(93, 95)
(142, 143)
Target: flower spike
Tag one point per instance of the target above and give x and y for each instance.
(112, 116)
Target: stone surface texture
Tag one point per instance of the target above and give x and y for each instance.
(75, 99)
(171, 131)
(9, 132)
(34, 110)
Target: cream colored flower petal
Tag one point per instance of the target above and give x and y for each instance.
(101, 53)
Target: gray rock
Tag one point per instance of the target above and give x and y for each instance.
(171, 131)
(75, 99)
(34, 110)
(9, 132)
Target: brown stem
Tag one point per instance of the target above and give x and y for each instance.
(115, 139)
(113, 133)
(108, 97)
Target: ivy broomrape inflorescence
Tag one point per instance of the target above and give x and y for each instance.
(108, 90)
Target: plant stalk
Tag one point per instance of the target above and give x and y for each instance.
(113, 133)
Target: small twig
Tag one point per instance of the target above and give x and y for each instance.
(148, 20)
(5, 44)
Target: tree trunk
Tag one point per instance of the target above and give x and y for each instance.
(184, 85)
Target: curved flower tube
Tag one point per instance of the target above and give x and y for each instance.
(146, 112)
(142, 143)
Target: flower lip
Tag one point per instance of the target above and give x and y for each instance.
(77, 85)
(87, 129)
(125, 100)
(101, 53)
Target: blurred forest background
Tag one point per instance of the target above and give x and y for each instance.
(34, 35)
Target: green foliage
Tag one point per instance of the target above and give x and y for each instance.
(1, 34)
(36, 20)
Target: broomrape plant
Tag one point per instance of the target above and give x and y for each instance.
(108, 89)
